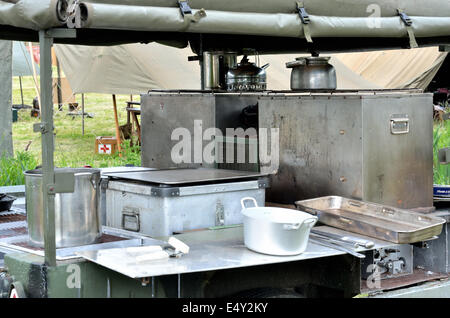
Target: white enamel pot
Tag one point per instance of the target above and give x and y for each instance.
(276, 231)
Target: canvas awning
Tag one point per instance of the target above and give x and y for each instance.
(277, 25)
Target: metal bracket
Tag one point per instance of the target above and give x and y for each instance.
(444, 156)
(64, 182)
(405, 18)
(41, 127)
(73, 16)
(264, 183)
(304, 16)
(408, 23)
(165, 192)
(184, 7)
(220, 214)
(61, 33)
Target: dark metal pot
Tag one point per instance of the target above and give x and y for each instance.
(6, 202)
(312, 73)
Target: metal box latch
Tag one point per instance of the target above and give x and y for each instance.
(399, 124)
(130, 219)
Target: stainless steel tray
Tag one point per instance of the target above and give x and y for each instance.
(375, 220)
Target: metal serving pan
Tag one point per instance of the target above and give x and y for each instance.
(371, 219)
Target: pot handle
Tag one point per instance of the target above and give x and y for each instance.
(248, 199)
(310, 222)
(291, 226)
(94, 184)
(295, 226)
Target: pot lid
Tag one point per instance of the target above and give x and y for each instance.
(277, 215)
(316, 60)
(312, 60)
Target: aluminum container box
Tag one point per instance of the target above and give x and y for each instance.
(375, 146)
(370, 146)
(162, 211)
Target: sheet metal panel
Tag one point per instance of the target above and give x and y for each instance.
(209, 250)
(398, 168)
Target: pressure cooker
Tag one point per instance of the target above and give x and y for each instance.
(312, 73)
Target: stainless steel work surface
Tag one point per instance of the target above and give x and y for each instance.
(14, 238)
(185, 176)
(209, 250)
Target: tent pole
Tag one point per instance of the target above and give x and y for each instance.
(21, 90)
(82, 114)
(202, 66)
(58, 86)
(46, 128)
(30, 47)
(117, 126)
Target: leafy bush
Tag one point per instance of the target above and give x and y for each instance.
(12, 168)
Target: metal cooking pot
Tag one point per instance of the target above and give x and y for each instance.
(246, 76)
(312, 73)
(77, 219)
(276, 231)
(6, 202)
(216, 66)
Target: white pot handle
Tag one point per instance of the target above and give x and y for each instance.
(291, 226)
(248, 199)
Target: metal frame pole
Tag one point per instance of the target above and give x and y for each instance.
(48, 173)
(82, 114)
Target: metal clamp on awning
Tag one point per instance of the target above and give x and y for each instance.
(184, 7)
(408, 23)
(304, 16)
(186, 12)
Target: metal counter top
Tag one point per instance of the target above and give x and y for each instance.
(182, 176)
(209, 250)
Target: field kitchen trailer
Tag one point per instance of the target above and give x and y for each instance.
(358, 161)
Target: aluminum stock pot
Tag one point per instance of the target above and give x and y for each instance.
(312, 73)
(276, 231)
(76, 214)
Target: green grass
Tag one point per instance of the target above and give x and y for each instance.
(12, 168)
(441, 139)
(72, 148)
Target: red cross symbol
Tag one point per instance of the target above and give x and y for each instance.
(104, 148)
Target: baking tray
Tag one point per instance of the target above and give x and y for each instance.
(371, 219)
